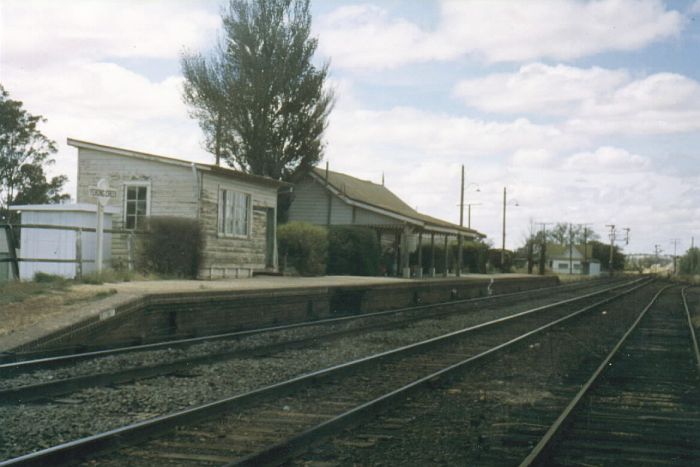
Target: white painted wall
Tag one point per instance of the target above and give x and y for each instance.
(61, 244)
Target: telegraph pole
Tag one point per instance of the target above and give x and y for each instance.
(460, 238)
(675, 245)
(612, 242)
(503, 245)
(571, 249)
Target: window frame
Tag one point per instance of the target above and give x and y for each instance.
(221, 221)
(136, 184)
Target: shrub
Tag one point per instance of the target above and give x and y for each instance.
(474, 256)
(45, 278)
(172, 247)
(303, 246)
(495, 259)
(353, 250)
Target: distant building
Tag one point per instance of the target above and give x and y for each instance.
(564, 260)
(331, 198)
(237, 211)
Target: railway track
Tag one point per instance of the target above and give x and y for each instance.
(11, 361)
(642, 404)
(243, 427)
(42, 385)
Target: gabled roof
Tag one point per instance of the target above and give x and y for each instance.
(224, 171)
(370, 194)
(562, 251)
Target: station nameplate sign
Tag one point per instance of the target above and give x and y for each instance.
(102, 192)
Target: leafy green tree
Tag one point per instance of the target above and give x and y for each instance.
(601, 252)
(562, 233)
(259, 99)
(32, 187)
(21, 144)
(690, 262)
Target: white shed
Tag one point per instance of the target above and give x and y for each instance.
(39, 247)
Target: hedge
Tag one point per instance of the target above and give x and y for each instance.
(304, 247)
(172, 247)
(353, 250)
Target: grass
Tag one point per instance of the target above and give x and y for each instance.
(43, 284)
(15, 292)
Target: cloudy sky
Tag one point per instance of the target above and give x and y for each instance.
(589, 112)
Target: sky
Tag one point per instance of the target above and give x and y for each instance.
(587, 112)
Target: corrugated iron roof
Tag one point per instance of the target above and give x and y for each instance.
(379, 196)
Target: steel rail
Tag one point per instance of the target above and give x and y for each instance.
(43, 390)
(692, 328)
(143, 430)
(280, 452)
(541, 450)
(30, 365)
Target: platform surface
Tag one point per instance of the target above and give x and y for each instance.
(67, 315)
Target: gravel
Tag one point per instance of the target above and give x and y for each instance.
(30, 427)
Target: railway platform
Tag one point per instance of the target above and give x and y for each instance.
(388, 292)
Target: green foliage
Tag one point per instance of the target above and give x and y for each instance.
(494, 259)
(601, 252)
(353, 250)
(474, 256)
(303, 246)
(259, 99)
(33, 188)
(172, 247)
(21, 145)
(19, 291)
(44, 278)
(690, 262)
(563, 233)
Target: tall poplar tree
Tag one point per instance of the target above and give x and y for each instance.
(259, 99)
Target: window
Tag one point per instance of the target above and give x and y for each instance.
(234, 209)
(136, 206)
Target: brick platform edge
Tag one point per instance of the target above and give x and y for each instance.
(157, 317)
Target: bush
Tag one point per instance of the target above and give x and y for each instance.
(353, 250)
(303, 246)
(172, 247)
(495, 259)
(45, 278)
(474, 256)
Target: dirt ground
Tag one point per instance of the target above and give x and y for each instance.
(18, 316)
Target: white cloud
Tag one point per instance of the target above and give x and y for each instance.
(536, 87)
(402, 133)
(366, 36)
(106, 104)
(595, 100)
(531, 158)
(34, 33)
(606, 159)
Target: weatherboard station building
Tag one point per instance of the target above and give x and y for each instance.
(237, 211)
(325, 197)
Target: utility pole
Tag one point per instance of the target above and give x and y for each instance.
(469, 213)
(571, 249)
(675, 246)
(612, 243)
(543, 247)
(460, 238)
(503, 245)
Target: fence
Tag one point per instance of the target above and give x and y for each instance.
(12, 234)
